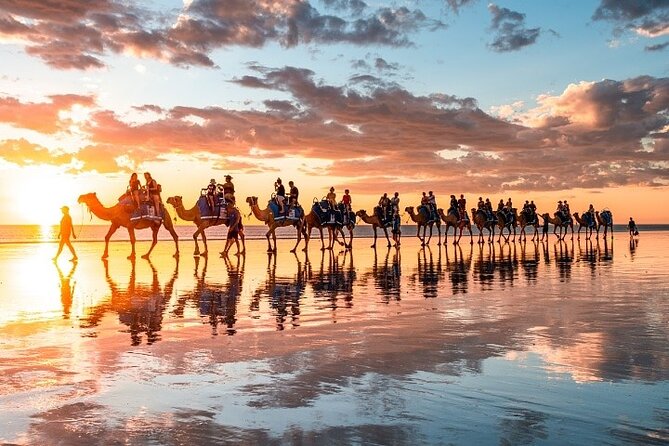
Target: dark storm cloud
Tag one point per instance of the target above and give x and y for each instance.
(511, 33)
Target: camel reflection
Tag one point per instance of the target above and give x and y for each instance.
(387, 276)
(497, 266)
(219, 304)
(335, 281)
(529, 260)
(282, 292)
(66, 288)
(563, 252)
(458, 269)
(428, 274)
(139, 306)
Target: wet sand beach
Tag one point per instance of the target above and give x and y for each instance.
(521, 343)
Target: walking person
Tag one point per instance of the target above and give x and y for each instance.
(66, 230)
(234, 223)
(632, 227)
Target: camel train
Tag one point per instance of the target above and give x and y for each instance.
(125, 213)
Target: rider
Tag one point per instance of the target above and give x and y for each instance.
(293, 194)
(432, 203)
(566, 210)
(453, 205)
(593, 218)
(462, 207)
(384, 203)
(153, 188)
(346, 199)
(395, 203)
(210, 194)
(229, 189)
(280, 192)
(481, 204)
(133, 189)
(488, 209)
(331, 197)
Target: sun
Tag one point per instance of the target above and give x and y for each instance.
(40, 193)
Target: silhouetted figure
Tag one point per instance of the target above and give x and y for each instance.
(66, 230)
(66, 289)
(632, 228)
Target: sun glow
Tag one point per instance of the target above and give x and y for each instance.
(39, 194)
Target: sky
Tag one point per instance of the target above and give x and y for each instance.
(522, 99)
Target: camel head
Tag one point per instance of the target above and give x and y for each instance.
(252, 201)
(409, 209)
(176, 201)
(87, 198)
(361, 213)
(440, 212)
(545, 216)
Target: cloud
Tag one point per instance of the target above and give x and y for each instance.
(23, 153)
(78, 34)
(591, 135)
(511, 33)
(649, 18)
(456, 5)
(658, 47)
(44, 117)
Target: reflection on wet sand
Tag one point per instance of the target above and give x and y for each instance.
(139, 306)
(501, 343)
(386, 276)
(282, 292)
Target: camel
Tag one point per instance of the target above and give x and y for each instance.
(311, 220)
(502, 223)
(119, 216)
(375, 222)
(557, 223)
(267, 217)
(604, 219)
(421, 220)
(481, 221)
(193, 214)
(523, 222)
(451, 220)
(582, 224)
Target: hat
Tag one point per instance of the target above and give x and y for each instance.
(228, 177)
(212, 181)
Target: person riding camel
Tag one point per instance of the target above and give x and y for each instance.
(425, 202)
(509, 205)
(280, 192)
(462, 208)
(293, 194)
(488, 209)
(395, 202)
(133, 189)
(481, 204)
(432, 203)
(453, 205)
(593, 217)
(153, 188)
(384, 205)
(229, 189)
(566, 210)
(331, 197)
(346, 199)
(210, 194)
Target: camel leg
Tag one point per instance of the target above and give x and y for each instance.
(471, 234)
(175, 237)
(320, 229)
(112, 230)
(430, 237)
(374, 244)
(350, 240)
(196, 234)
(243, 238)
(299, 238)
(274, 240)
(438, 232)
(269, 245)
(131, 233)
(154, 241)
(204, 241)
(331, 237)
(514, 234)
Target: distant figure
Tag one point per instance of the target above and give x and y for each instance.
(462, 208)
(153, 188)
(395, 203)
(632, 228)
(397, 222)
(234, 222)
(66, 229)
(66, 289)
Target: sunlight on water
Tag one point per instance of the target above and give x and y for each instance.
(515, 343)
